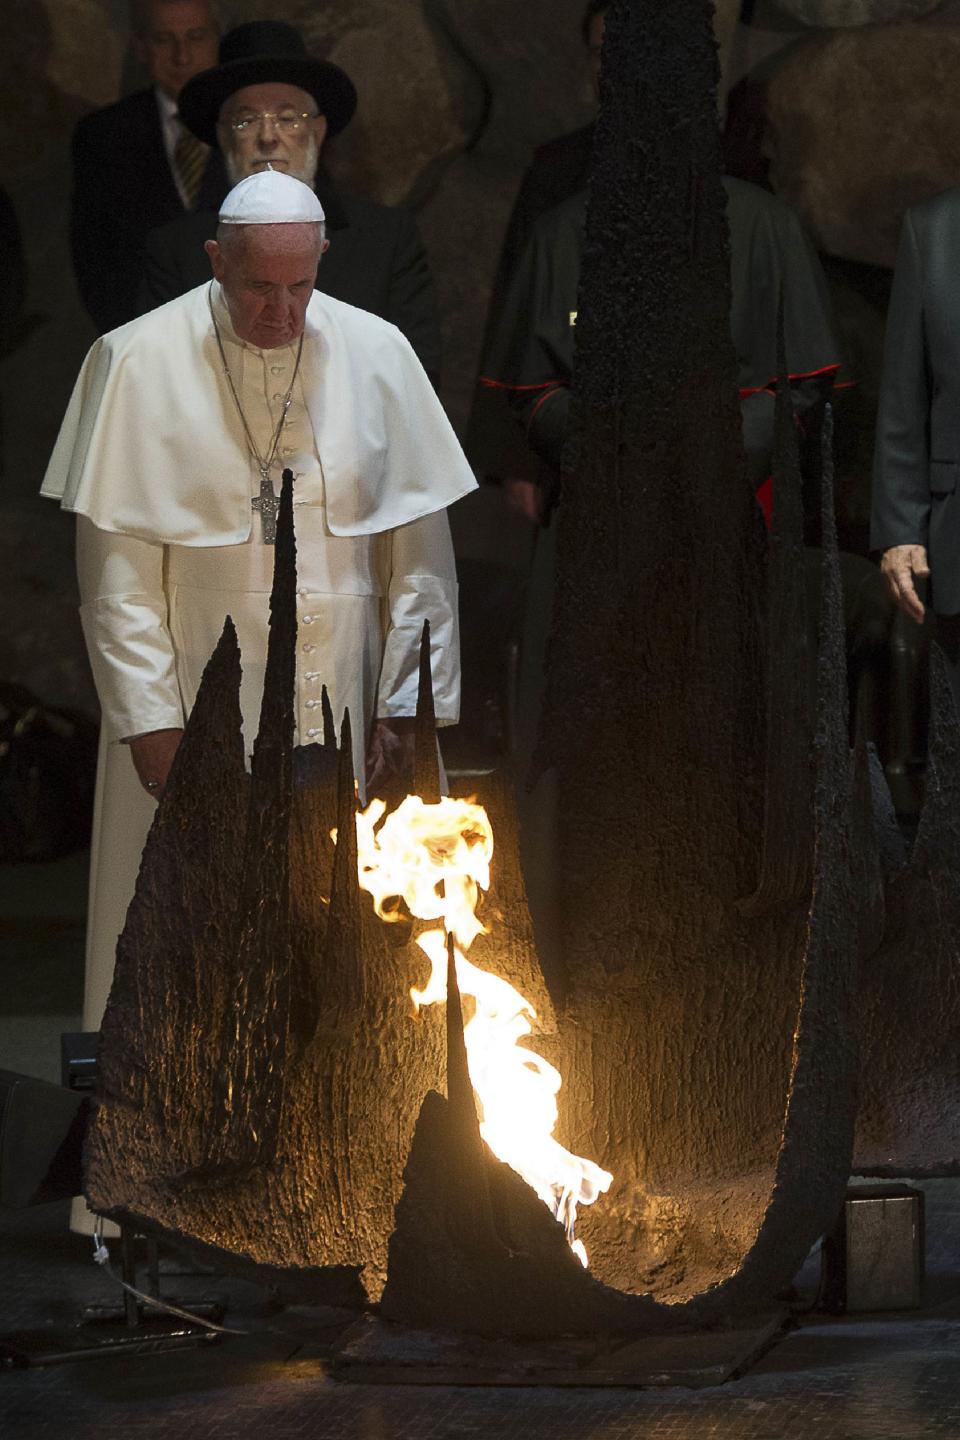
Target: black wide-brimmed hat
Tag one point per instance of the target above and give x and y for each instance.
(260, 53)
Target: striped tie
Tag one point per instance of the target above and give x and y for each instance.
(189, 160)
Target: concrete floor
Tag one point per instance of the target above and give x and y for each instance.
(890, 1378)
(833, 1379)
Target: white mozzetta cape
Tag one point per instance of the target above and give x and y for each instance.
(151, 445)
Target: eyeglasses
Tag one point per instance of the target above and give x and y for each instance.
(287, 121)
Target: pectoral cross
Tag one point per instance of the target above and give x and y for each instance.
(267, 503)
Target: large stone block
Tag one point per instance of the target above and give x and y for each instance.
(860, 130)
(41, 83)
(532, 61)
(87, 50)
(845, 14)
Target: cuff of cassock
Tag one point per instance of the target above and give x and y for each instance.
(413, 599)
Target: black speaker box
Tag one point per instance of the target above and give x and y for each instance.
(41, 1140)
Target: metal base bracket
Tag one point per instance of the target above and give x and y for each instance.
(57, 1344)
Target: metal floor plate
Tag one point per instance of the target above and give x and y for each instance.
(893, 1377)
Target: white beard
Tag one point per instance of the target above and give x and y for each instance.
(306, 171)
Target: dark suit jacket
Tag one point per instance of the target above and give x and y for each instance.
(123, 188)
(917, 457)
(376, 261)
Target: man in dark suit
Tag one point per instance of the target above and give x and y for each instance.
(916, 520)
(268, 102)
(134, 164)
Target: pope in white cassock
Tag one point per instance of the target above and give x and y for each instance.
(170, 454)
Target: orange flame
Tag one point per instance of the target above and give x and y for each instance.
(436, 859)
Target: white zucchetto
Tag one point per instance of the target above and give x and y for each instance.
(271, 198)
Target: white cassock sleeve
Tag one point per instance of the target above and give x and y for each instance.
(123, 611)
(423, 586)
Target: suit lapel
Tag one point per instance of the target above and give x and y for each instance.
(151, 157)
(214, 184)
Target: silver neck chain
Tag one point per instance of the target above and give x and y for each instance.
(263, 463)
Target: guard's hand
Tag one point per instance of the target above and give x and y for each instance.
(899, 566)
(152, 755)
(525, 497)
(390, 752)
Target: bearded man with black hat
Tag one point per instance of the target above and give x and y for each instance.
(268, 102)
(170, 455)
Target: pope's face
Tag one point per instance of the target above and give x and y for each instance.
(267, 273)
(178, 40)
(271, 137)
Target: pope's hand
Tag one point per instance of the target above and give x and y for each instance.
(152, 755)
(390, 752)
(899, 566)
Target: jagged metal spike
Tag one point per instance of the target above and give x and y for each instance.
(176, 960)
(311, 854)
(832, 695)
(273, 746)
(251, 1076)
(866, 848)
(426, 767)
(468, 1153)
(345, 775)
(474, 1248)
(329, 728)
(785, 874)
(907, 1121)
(459, 1087)
(813, 1168)
(344, 982)
(937, 832)
(660, 647)
(345, 860)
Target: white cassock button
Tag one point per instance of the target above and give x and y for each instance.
(276, 369)
(313, 732)
(307, 619)
(309, 649)
(312, 704)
